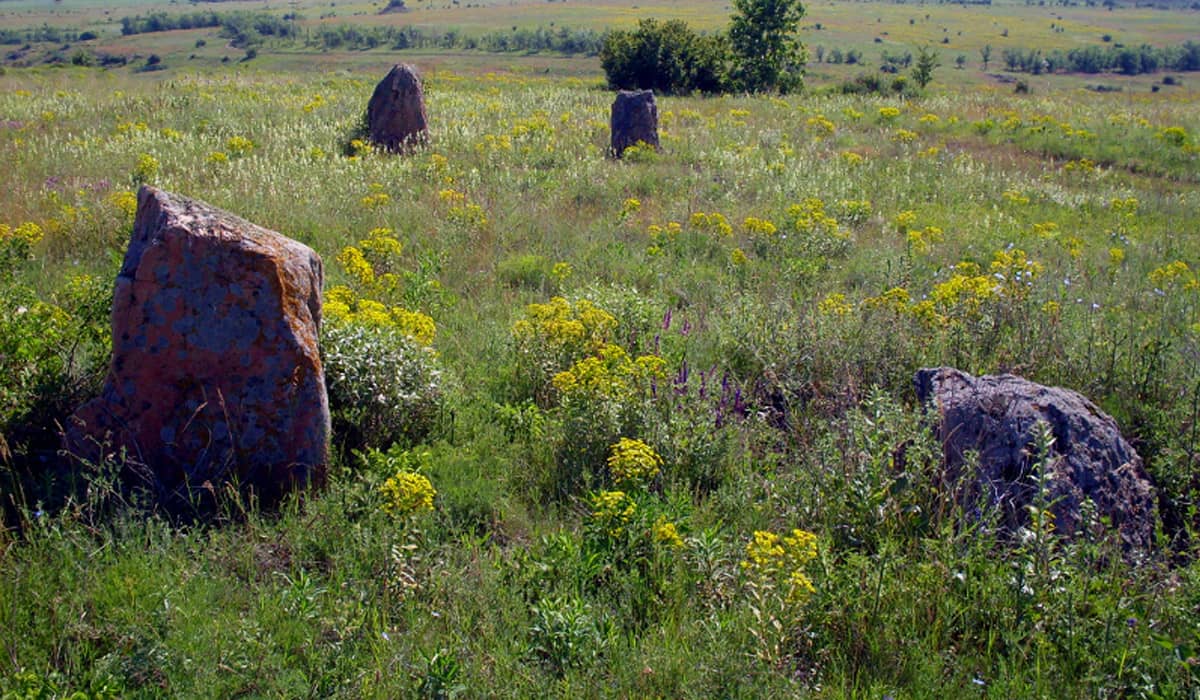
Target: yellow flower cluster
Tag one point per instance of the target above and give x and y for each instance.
(631, 206)
(535, 124)
(341, 304)
(835, 305)
(854, 210)
(1175, 274)
(461, 211)
(613, 511)
(965, 292)
(1015, 197)
(581, 327)
(125, 201)
(239, 145)
(633, 461)
(1174, 135)
(407, 493)
(851, 158)
(610, 374)
(759, 227)
(127, 128)
(669, 232)
(315, 103)
(714, 223)
(666, 533)
(896, 299)
(904, 136)
(922, 240)
(27, 233)
(146, 168)
(562, 271)
(888, 114)
(774, 559)
(809, 217)
(1127, 206)
(820, 126)
(355, 264)
(376, 198)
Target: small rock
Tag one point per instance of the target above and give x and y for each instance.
(396, 118)
(216, 375)
(634, 119)
(997, 417)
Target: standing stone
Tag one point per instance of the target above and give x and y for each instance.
(998, 417)
(216, 375)
(396, 113)
(634, 118)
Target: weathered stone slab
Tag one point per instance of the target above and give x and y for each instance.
(216, 374)
(634, 119)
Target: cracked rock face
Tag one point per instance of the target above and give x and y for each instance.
(634, 118)
(396, 118)
(216, 374)
(996, 418)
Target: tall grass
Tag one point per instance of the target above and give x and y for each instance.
(782, 401)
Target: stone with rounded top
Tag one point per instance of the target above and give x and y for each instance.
(989, 429)
(396, 119)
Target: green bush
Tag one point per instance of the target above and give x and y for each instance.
(384, 387)
(667, 57)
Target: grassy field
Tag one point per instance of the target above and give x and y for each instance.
(751, 304)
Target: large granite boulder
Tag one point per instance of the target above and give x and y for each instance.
(998, 418)
(634, 119)
(396, 118)
(216, 375)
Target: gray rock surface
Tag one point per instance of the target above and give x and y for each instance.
(634, 118)
(997, 417)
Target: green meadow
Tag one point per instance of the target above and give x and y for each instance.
(614, 428)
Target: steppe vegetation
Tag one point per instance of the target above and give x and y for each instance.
(637, 428)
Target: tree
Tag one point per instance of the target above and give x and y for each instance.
(767, 54)
(927, 61)
(667, 57)
(986, 54)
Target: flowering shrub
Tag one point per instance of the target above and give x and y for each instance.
(778, 563)
(612, 511)
(552, 336)
(343, 306)
(407, 493)
(384, 386)
(633, 461)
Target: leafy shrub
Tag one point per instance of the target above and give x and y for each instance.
(667, 57)
(384, 386)
(564, 633)
(551, 337)
(528, 270)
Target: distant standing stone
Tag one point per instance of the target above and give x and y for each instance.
(396, 113)
(216, 375)
(996, 419)
(634, 118)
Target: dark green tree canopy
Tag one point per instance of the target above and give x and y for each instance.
(667, 57)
